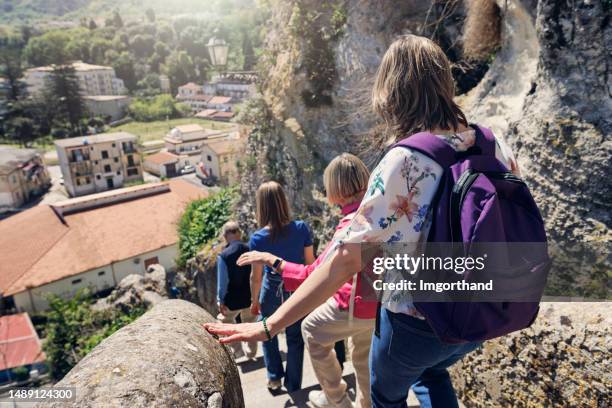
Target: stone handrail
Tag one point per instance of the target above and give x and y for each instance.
(163, 359)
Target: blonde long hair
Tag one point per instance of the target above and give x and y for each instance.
(272, 208)
(414, 89)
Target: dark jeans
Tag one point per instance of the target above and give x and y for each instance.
(270, 300)
(408, 354)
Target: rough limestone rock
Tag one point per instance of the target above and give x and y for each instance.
(204, 270)
(320, 57)
(163, 359)
(137, 290)
(548, 94)
(562, 360)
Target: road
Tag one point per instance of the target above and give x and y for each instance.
(57, 192)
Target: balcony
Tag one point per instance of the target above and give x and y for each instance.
(81, 168)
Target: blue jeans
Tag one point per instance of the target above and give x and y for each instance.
(270, 300)
(409, 354)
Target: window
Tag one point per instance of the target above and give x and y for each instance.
(104, 154)
(95, 162)
(97, 176)
(130, 160)
(77, 281)
(87, 180)
(151, 261)
(107, 168)
(116, 159)
(119, 173)
(78, 180)
(113, 145)
(101, 273)
(208, 157)
(132, 172)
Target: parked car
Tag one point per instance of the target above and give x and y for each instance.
(188, 169)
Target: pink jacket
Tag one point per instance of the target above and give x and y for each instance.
(294, 274)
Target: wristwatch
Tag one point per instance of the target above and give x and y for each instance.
(276, 264)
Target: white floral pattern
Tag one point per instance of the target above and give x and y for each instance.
(396, 207)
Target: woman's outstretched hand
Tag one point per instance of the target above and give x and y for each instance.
(255, 257)
(237, 332)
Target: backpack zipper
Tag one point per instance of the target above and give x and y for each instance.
(460, 190)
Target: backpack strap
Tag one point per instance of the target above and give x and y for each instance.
(485, 140)
(431, 146)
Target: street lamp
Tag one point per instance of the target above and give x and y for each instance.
(217, 49)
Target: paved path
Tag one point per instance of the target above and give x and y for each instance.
(256, 394)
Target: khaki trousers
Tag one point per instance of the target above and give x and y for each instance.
(326, 325)
(245, 317)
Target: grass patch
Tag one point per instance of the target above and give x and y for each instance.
(147, 131)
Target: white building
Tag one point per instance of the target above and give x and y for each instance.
(89, 242)
(93, 79)
(96, 163)
(107, 106)
(221, 94)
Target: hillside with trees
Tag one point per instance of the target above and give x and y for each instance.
(139, 40)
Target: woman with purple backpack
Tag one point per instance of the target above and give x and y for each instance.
(413, 95)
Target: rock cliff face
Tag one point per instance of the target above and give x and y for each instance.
(163, 359)
(563, 360)
(546, 91)
(319, 57)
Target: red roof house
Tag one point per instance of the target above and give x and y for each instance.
(19, 343)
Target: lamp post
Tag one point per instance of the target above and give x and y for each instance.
(217, 50)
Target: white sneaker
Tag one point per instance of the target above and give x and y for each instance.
(319, 400)
(274, 385)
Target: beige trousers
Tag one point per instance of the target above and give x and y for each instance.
(245, 317)
(326, 325)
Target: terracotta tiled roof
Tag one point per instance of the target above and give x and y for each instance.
(191, 85)
(100, 138)
(190, 128)
(162, 158)
(24, 239)
(19, 342)
(41, 249)
(214, 114)
(220, 100)
(206, 113)
(227, 145)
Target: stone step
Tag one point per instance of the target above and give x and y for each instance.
(257, 395)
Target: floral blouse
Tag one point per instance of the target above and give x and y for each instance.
(396, 206)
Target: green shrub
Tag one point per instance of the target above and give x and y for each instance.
(73, 329)
(157, 108)
(20, 374)
(201, 222)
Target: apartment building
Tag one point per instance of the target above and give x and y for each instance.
(221, 157)
(89, 242)
(23, 175)
(93, 79)
(193, 95)
(91, 164)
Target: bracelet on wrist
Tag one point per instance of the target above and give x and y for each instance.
(266, 328)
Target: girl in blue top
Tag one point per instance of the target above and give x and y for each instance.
(291, 241)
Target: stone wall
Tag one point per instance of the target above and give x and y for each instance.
(163, 359)
(563, 360)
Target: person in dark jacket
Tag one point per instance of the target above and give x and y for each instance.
(233, 286)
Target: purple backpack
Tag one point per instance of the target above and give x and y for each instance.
(479, 201)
